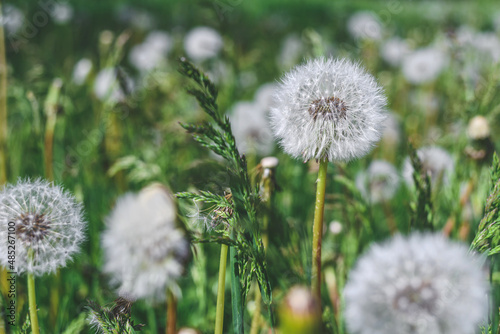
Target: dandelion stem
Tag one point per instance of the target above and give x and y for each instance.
(3, 107)
(318, 229)
(219, 317)
(32, 304)
(171, 313)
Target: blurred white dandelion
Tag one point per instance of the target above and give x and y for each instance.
(436, 162)
(81, 71)
(62, 12)
(46, 223)
(328, 109)
(365, 25)
(251, 128)
(394, 50)
(291, 51)
(487, 45)
(415, 285)
(107, 86)
(152, 52)
(264, 95)
(12, 18)
(379, 182)
(392, 130)
(424, 65)
(202, 43)
(145, 252)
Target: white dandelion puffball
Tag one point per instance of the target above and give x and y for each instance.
(45, 223)
(149, 54)
(82, 70)
(202, 43)
(62, 13)
(365, 25)
(107, 86)
(379, 182)
(436, 162)
(394, 50)
(328, 109)
(251, 128)
(392, 130)
(291, 51)
(12, 18)
(422, 284)
(424, 65)
(145, 252)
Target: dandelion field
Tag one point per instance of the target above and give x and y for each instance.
(140, 140)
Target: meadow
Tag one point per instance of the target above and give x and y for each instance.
(166, 124)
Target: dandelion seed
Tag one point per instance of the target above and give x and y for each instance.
(202, 43)
(46, 223)
(145, 252)
(379, 182)
(420, 284)
(424, 65)
(328, 109)
(436, 162)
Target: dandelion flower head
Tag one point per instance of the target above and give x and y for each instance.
(46, 223)
(328, 109)
(420, 284)
(379, 182)
(144, 251)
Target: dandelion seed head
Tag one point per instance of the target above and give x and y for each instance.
(45, 221)
(365, 25)
(145, 251)
(251, 128)
(436, 162)
(82, 70)
(12, 18)
(150, 53)
(328, 109)
(424, 65)
(62, 12)
(394, 50)
(202, 43)
(418, 284)
(379, 182)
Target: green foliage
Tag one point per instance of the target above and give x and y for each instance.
(487, 239)
(237, 209)
(113, 320)
(422, 214)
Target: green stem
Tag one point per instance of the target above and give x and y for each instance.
(32, 304)
(219, 317)
(318, 229)
(236, 294)
(3, 107)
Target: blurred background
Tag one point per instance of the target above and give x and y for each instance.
(111, 120)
